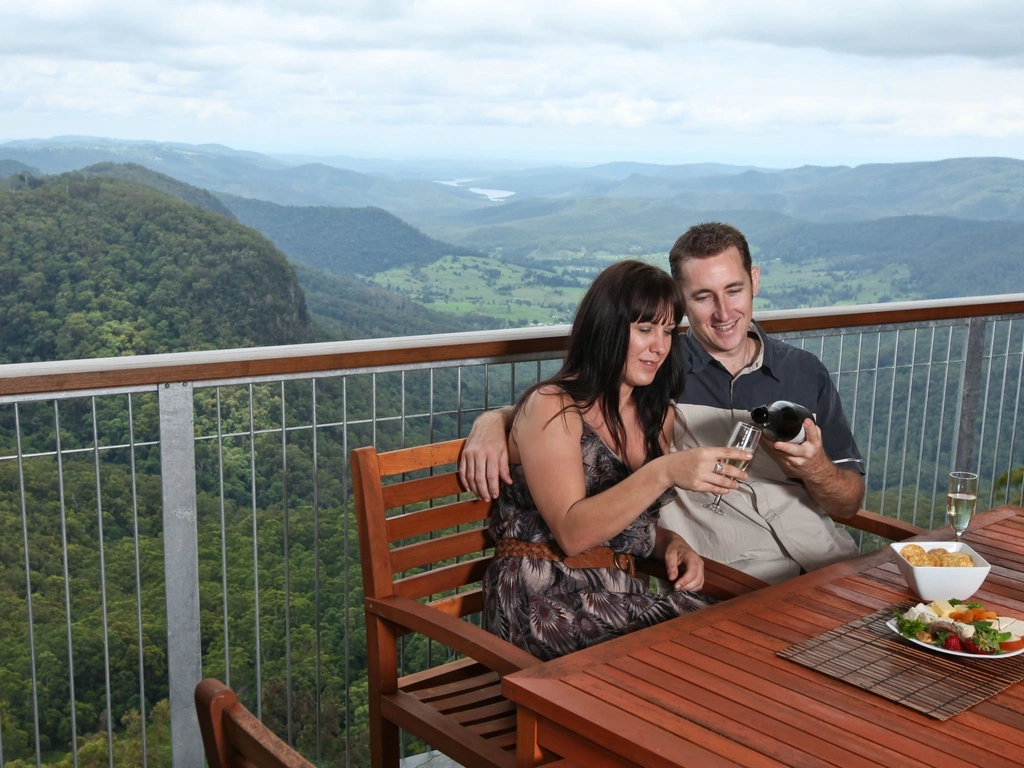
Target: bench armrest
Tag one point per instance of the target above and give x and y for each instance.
(468, 639)
(880, 525)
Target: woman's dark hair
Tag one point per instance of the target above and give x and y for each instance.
(626, 292)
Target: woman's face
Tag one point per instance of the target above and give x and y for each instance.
(649, 345)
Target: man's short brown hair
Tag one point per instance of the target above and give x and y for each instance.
(702, 241)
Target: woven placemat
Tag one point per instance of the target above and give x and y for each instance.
(868, 654)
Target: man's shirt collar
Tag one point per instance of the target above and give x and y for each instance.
(698, 358)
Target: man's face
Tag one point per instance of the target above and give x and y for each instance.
(719, 298)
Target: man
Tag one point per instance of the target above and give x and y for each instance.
(778, 522)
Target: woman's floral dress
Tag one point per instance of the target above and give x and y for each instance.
(548, 609)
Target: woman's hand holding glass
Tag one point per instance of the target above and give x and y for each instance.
(694, 469)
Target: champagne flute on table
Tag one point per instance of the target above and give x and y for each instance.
(745, 437)
(961, 500)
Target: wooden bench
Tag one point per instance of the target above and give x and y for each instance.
(424, 550)
(233, 737)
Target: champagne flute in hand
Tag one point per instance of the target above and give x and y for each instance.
(745, 437)
(961, 500)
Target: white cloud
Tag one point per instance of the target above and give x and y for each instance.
(843, 79)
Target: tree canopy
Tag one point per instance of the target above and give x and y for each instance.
(92, 266)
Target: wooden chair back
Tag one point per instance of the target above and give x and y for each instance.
(419, 539)
(233, 737)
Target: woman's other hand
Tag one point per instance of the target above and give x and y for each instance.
(683, 566)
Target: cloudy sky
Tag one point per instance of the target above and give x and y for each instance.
(738, 81)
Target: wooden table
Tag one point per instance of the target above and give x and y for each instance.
(707, 689)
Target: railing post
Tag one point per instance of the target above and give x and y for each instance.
(970, 389)
(181, 568)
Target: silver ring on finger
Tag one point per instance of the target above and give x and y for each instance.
(719, 468)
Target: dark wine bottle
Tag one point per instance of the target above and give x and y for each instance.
(782, 421)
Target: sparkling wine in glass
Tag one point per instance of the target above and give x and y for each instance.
(745, 437)
(961, 500)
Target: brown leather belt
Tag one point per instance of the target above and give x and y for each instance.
(595, 557)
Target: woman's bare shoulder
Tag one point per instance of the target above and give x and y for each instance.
(548, 403)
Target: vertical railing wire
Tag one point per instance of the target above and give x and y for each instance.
(856, 382)
(487, 386)
(345, 539)
(404, 413)
(103, 582)
(28, 589)
(138, 580)
(984, 408)
(839, 366)
(287, 571)
(853, 414)
(255, 555)
(67, 584)
(1013, 430)
(316, 585)
(871, 415)
(999, 418)
(223, 542)
(430, 439)
(458, 402)
(906, 425)
(430, 406)
(967, 403)
(942, 417)
(888, 426)
(924, 423)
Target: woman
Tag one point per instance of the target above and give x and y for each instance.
(589, 473)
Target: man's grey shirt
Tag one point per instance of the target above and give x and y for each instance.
(771, 528)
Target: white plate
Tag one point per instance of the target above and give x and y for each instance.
(891, 624)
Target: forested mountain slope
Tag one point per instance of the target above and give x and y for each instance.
(95, 267)
(342, 241)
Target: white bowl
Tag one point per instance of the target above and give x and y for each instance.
(942, 583)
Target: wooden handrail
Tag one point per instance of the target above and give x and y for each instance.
(352, 356)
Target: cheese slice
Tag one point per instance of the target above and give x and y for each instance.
(1014, 626)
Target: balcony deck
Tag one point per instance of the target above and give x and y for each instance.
(176, 516)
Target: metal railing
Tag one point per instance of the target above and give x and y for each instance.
(178, 516)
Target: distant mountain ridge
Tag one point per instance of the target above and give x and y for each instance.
(971, 188)
(246, 174)
(12, 167)
(161, 182)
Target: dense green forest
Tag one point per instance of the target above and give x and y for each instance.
(97, 267)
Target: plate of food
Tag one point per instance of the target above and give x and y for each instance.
(960, 629)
